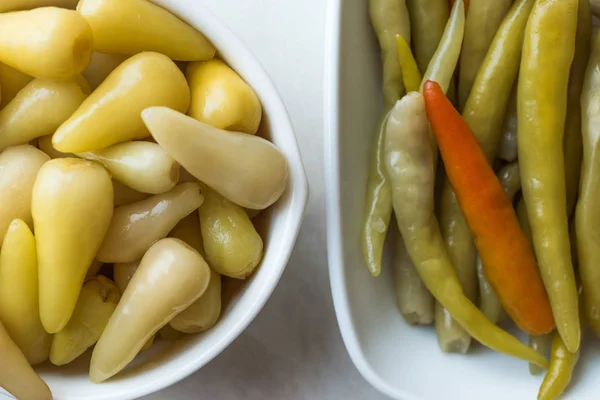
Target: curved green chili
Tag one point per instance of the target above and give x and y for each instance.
(484, 113)
(389, 18)
(483, 20)
(409, 162)
(548, 50)
(562, 364)
(427, 22)
(443, 62)
(378, 206)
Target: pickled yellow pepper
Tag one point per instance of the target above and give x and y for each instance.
(389, 19)
(548, 51)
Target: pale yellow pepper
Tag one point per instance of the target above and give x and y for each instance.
(11, 82)
(15, 5)
(39, 109)
(16, 375)
(19, 167)
(171, 276)
(204, 313)
(548, 52)
(48, 42)
(131, 26)
(134, 227)
(122, 274)
(19, 304)
(97, 301)
(100, 66)
(111, 114)
(143, 166)
(233, 247)
(72, 206)
(248, 170)
(221, 98)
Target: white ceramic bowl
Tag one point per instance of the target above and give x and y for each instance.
(401, 361)
(168, 363)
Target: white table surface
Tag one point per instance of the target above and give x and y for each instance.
(293, 350)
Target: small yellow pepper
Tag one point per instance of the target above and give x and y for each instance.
(221, 98)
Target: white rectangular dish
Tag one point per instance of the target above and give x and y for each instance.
(401, 361)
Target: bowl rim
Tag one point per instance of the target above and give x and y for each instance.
(335, 252)
(232, 48)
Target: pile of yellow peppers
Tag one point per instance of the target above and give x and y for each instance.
(523, 77)
(130, 170)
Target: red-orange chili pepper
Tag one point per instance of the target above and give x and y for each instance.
(507, 256)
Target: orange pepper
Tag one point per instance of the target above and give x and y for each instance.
(508, 259)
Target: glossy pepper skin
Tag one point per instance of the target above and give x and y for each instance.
(19, 166)
(443, 62)
(562, 365)
(427, 22)
(40, 108)
(46, 42)
(586, 214)
(560, 371)
(221, 98)
(129, 27)
(19, 303)
(409, 150)
(72, 206)
(16, 375)
(111, 114)
(484, 113)
(506, 254)
(415, 302)
(548, 51)
(389, 19)
(170, 277)
(483, 20)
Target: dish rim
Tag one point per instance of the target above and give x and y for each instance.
(335, 254)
